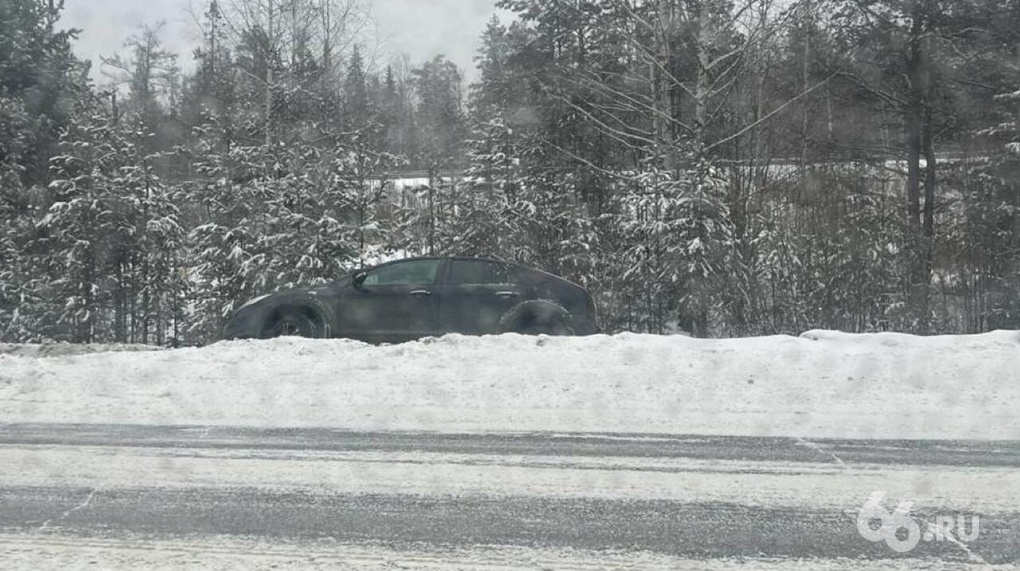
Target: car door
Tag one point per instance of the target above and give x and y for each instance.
(475, 295)
(393, 302)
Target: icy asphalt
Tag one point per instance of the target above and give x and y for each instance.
(121, 496)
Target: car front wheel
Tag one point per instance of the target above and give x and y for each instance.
(292, 323)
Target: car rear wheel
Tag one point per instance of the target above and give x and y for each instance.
(554, 325)
(292, 323)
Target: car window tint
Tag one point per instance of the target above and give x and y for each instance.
(417, 272)
(527, 277)
(464, 272)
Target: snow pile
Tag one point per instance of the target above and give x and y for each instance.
(823, 384)
(65, 349)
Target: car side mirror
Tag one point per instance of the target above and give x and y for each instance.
(359, 279)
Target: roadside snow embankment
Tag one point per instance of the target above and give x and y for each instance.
(66, 349)
(821, 385)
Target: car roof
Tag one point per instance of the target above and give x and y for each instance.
(423, 258)
(482, 259)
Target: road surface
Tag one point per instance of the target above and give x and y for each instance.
(114, 496)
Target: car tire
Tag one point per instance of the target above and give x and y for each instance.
(555, 325)
(293, 323)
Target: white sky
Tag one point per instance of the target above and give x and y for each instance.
(419, 28)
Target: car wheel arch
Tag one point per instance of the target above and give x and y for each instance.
(310, 308)
(533, 311)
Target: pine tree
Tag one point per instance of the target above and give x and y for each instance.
(110, 243)
(440, 115)
(210, 95)
(357, 112)
(38, 69)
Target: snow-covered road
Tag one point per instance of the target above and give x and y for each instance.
(774, 473)
(239, 554)
(486, 499)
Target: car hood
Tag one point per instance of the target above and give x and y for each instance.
(305, 291)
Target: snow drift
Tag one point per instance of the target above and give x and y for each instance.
(822, 384)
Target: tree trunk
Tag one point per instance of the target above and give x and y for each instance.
(805, 80)
(432, 174)
(661, 86)
(120, 306)
(702, 83)
(914, 142)
(928, 222)
(269, 76)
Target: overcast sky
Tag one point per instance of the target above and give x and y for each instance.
(420, 28)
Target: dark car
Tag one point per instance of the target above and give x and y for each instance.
(419, 297)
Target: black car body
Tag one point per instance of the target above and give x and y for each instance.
(419, 297)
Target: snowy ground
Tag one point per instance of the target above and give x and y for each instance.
(820, 385)
(66, 349)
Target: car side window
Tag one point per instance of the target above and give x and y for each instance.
(415, 272)
(475, 272)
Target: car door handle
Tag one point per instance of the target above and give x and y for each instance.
(507, 294)
(421, 293)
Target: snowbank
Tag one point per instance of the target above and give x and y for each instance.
(823, 384)
(65, 349)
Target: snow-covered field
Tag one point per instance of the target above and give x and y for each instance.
(822, 384)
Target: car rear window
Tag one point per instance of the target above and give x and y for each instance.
(465, 272)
